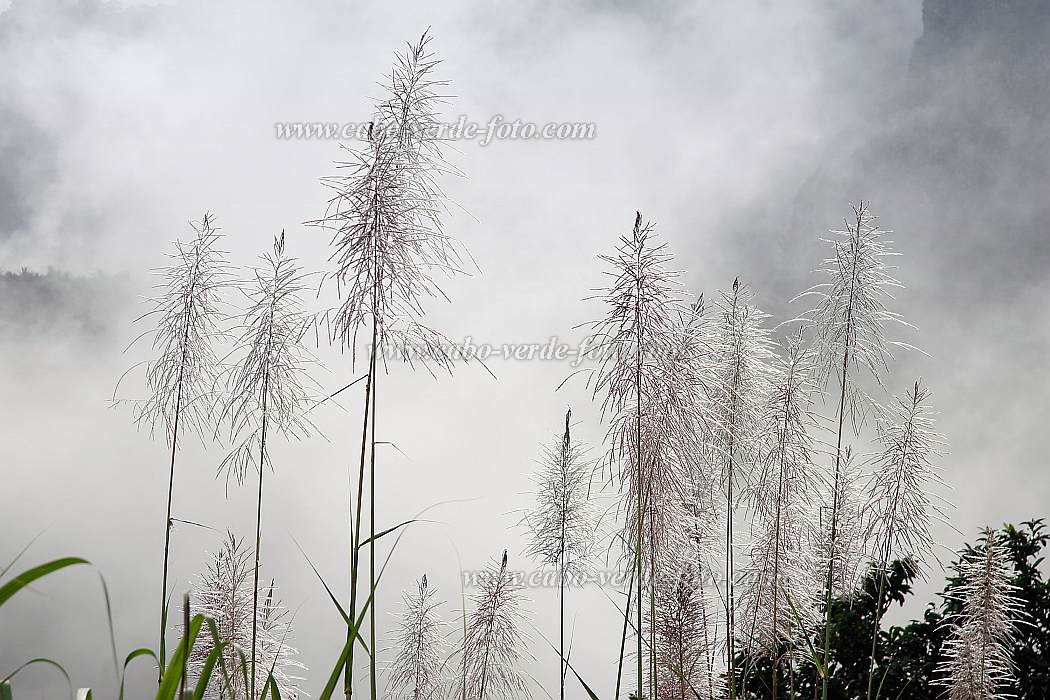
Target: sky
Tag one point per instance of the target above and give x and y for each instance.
(743, 130)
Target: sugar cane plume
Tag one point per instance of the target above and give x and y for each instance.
(779, 586)
(852, 313)
(901, 500)
(741, 356)
(562, 523)
(563, 520)
(690, 376)
(631, 341)
(186, 313)
(268, 377)
(389, 247)
(388, 242)
(494, 645)
(419, 649)
(902, 503)
(850, 319)
(224, 593)
(682, 637)
(266, 393)
(641, 306)
(851, 550)
(977, 662)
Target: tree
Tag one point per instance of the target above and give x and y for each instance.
(908, 655)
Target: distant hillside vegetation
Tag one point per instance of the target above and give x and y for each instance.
(34, 304)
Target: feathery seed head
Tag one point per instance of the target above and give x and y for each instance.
(266, 384)
(852, 310)
(978, 663)
(186, 315)
(494, 645)
(563, 521)
(224, 593)
(902, 504)
(416, 669)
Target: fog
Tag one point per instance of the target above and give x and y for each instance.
(744, 130)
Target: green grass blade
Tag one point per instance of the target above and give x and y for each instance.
(18, 556)
(169, 682)
(5, 692)
(127, 661)
(27, 577)
(36, 662)
(270, 689)
(217, 640)
(207, 670)
(109, 623)
(387, 532)
(587, 689)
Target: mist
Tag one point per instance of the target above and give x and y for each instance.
(744, 130)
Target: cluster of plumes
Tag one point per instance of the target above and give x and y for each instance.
(385, 216)
(486, 660)
(418, 664)
(267, 376)
(494, 644)
(780, 591)
(708, 419)
(977, 663)
(186, 316)
(682, 634)
(223, 593)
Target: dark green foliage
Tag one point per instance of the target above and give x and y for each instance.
(33, 303)
(908, 655)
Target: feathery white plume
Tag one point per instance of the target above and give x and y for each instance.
(779, 586)
(741, 357)
(978, 664)
(224, 593)
(494, 645)
(266, 385)
(901, 500)
(563, 520)
(415, 671)
(386, 217)
(632, 338)
(186, 316)
(682, 639)
(851, 316)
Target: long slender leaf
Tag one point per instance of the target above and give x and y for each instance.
(207, 670)
(169, 683)
(36, 662)
(37, 572)
(131, 657)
